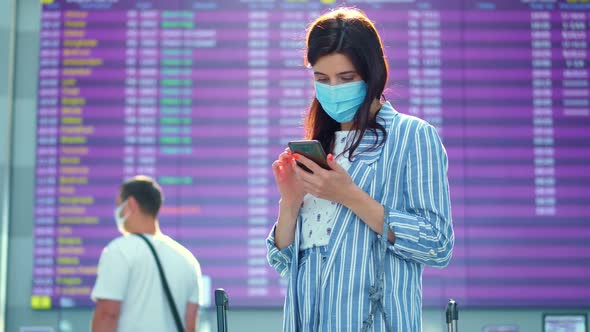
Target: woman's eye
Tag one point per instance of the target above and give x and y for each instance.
(322, 80)
(347, 79)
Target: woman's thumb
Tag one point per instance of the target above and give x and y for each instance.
(331, 162)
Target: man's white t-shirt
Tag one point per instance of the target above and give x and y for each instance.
(127, 272)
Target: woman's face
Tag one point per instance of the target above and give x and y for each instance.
(335, 69)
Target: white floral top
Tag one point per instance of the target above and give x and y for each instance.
(317, 214)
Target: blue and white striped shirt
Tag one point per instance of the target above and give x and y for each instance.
(408, 175)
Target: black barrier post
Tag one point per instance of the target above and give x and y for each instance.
(221, 301)
(452, 316)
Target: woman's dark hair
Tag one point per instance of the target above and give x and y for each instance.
(146, 192)
(349, 32)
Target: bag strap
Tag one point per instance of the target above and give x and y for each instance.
(376, 290)
(171, 303)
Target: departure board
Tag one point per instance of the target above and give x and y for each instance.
(203, 95)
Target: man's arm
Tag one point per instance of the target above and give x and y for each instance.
(106, 316)
(190, 317)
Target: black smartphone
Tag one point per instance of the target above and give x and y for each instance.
(311, 149)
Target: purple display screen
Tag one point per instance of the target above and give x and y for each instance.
(203, 95)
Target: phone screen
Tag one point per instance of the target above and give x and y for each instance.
(311, 149)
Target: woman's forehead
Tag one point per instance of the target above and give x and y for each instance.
(333, 64)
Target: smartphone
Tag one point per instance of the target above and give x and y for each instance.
(311, 149)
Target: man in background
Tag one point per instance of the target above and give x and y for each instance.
(128, 292)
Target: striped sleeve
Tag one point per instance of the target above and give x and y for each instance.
(424, 231)
(280, 260)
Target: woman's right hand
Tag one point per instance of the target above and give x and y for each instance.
(290, 187)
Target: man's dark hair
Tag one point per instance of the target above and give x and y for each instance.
(146, 192)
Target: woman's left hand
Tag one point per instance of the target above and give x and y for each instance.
(333, 185)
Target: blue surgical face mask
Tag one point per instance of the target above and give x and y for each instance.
(341, 101)
(120, 220)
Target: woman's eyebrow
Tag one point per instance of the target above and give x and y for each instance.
(338, 74)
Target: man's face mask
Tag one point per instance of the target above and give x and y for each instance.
(120, 221)
(341, 101)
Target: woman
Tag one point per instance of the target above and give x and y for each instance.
(388, 177)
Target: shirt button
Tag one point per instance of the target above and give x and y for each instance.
(432, 253)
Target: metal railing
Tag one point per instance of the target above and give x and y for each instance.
(7, 175)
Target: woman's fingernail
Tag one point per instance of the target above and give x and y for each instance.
(330, 157)
(295, 156)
